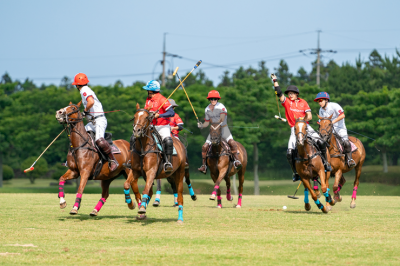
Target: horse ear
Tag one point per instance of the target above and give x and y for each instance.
(294, 117)
(70, 103)
(137, 106)
(320, 117)
(79, 104)
(330, 117)
(211, 121)
(149, 108)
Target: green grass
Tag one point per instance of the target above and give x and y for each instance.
(257, 234)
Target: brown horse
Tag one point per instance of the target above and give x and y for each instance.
(83, 158)
(221, 166)
(338, 161)
(309, 165)
(146, 161)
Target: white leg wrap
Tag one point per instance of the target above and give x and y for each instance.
(62, 200)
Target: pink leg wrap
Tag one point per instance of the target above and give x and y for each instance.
(215, 190)
(240, 200)
(78, 200)
(219, 201)
(338, 189)
(61, 189)
(228, 194)
(100, 204)
(354, 193)
(315, 187)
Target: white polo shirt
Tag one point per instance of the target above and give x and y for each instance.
(97, 108)
(335, 110)
(215, 114)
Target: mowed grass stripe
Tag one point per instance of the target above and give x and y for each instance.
(367, 235)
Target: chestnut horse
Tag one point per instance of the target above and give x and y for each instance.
(221, 167)
(338, 160)
(82, 159)
(309, 165)
(146, 161)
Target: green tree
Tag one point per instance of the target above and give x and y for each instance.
(40, 168)
(8, 172)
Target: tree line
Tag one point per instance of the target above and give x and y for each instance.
(368, 91)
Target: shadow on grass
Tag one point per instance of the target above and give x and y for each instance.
(307, 212)
(84, 217)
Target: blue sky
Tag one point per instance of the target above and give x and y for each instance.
(111, 40)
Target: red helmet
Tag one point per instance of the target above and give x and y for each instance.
(213, 94)
(80, 79)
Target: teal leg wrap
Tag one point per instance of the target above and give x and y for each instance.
(127, 196)
(176, 198)
(327, 196)
(158, 192)
(319, 204)
(180, 213)
(145, 201)
(191, 190)
(306, 196)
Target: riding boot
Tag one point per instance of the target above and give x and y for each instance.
(291, 161)
(348, 153)
(204, 151)
(106, 148)
(234, 149)
(132, 142)
(169, 148)
(322, 147)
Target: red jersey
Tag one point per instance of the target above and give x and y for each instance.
(294, 108)
(155, 103)
(175, 121)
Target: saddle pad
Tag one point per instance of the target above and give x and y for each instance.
(115, 149)
(353, 146)
(160, 146)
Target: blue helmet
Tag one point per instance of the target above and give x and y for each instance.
(152, 85)
(322, 95)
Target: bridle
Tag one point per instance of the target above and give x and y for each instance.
(214, 133)
(327, 131)
(297, 135)
(144, 127)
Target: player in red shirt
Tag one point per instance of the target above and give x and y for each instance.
(161, 119)
(297, 107)
(175, 122)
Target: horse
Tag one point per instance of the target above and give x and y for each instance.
(221, 166)
(309, 165)
(146, 161)
(338, 161)
(83, 159)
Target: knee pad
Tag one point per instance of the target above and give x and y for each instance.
(169, 145)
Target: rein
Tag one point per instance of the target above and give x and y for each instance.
(310, 142)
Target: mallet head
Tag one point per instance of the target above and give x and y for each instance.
(280, 118)
(29, 169)
(176, 70)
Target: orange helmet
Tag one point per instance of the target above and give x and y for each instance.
(213, 94)
(80, 79)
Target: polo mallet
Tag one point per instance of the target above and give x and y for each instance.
(176, 73)
(31, 168)
(198, 64)
(294, 195)
(276, 95)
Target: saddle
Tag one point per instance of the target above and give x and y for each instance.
(226, 150)
(340, 144)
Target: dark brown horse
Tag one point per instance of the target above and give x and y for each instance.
(83, 158)
(338, 161)
(146, 161)
(221, 166)
(309, 165)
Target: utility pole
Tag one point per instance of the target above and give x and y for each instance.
(318, 51)
(163, 63)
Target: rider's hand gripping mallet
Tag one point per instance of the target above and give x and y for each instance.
(31, 168)
(176, 73)
(294, 195)
(273, 77)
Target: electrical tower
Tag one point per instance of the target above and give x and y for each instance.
(163, 63)
(318, 52)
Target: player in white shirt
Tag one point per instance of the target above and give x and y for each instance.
(94, 111)
(329, 108)
(216, 111)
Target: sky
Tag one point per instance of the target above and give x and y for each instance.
(123, 40)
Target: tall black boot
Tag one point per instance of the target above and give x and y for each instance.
(204, 151)
(291, 161)
(168, 149)
(234, 149)
(322, 147)
(347, 152)
(105, 147)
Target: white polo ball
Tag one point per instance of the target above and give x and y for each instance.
(284, 207)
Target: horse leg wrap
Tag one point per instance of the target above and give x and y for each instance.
(78, 200)
(176, 198)
(61, 193)
(354, 193)
(338, 189)
(219, 201)
(306, 196)
(228, 194)
(215, 190)
(180, 213)
(127, 196)
(240, 200)
(319, 204)
(315, 184)
(327, 196)
(158, 195)
(100, 204)
(191, 190)
(315, 187)
(144, 201)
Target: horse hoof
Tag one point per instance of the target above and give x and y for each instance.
(179, 222)
(328, 208)
(219, 206)
(307, 206)
(324, 210)
(156, 203)
(94, 213)
(63, 205)
(352, 205)
(238, 206)
(131, 205)
(142, 210)
(73, 211)
(333, 202)
(212, 197)
(230, 198)
(141, 217)
(337, 198)
(194, 197)
(175, 205)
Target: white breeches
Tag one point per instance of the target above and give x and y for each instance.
(226, 135)
(99, 128)
(292, 140)
(164, 131)
(342, 132)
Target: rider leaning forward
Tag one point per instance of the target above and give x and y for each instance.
(161, 118)
(94, 112)
(216, 111)
(329, 108)
(297, 107)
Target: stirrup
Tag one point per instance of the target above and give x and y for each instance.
(349, 162)
(205, 169)
(165, 167)
(237, 161)
(296, 177)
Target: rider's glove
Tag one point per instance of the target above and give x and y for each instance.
(273, 77)
(200, 125)
(85, 114)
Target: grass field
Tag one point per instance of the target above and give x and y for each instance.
(35, 231)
